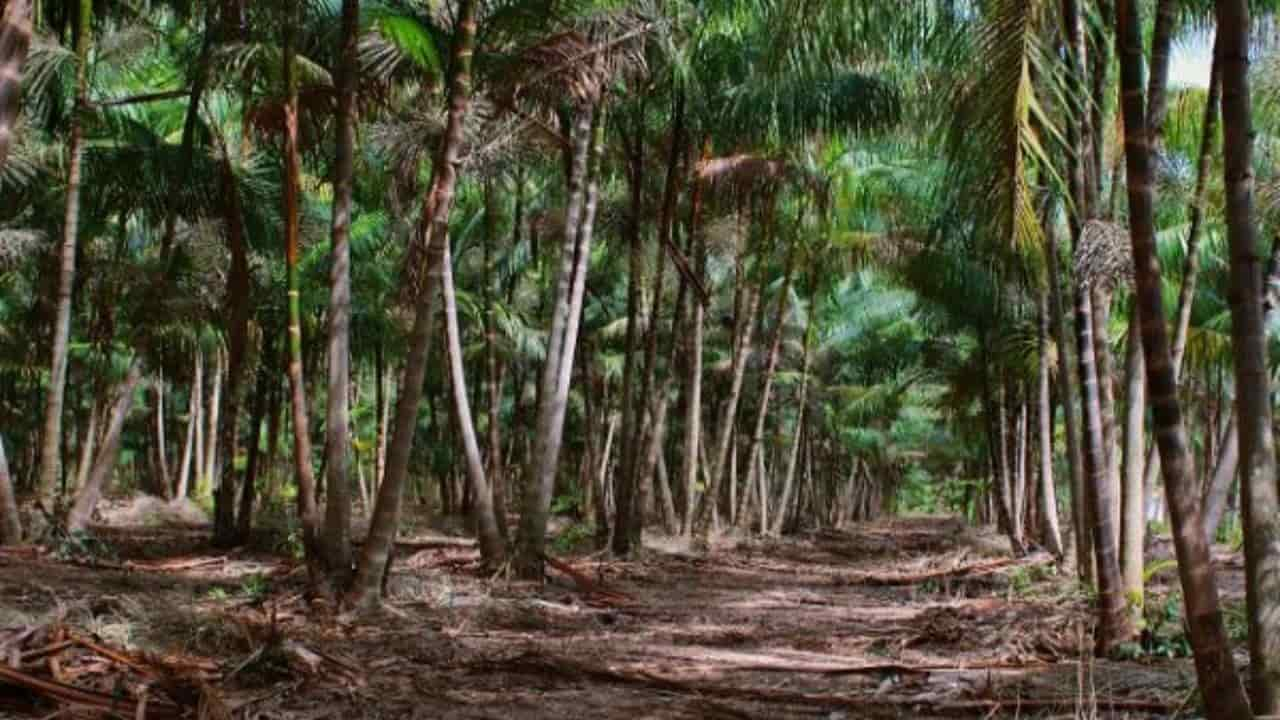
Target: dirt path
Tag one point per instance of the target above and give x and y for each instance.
(910, 618)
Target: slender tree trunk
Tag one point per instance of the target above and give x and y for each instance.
(103, 466)
(1215, 670)
(629, 517)
(492, 369)
(15, 40)
(162, 447)
(793, 456)
(195, 413)
(1218, 488)
(770, 368)
(1105, 367)
(383, 409)
(179, 490)
(1191, 264)
(693, 417)
(308, 511)
(567, 314)
(51, 436)
(723, 447)
(337, 520)
(10, 520)
(206, 470)
(266, 374)
(1133, 524)
(492, 547)
(1051, 535)
(85, 462)
(237, 314)
(433, 228)
(1114, 627)
(1260, 499)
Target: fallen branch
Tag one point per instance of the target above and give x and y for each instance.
(533, 663)
(587, 586)
(73, 695)
(954, 573)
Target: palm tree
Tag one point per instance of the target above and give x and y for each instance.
(1261, 501)
(51, 434)
(337, 539)
(1215, 670)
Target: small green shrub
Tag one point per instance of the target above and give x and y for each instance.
(572, 538)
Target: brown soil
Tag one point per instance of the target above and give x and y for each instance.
(906, 619)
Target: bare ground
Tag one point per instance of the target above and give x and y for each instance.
(910, 618)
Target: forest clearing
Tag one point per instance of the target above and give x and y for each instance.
(680, 358)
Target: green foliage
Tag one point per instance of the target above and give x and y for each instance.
(573, 538)
(1165, 632)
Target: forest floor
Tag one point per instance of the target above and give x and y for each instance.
(907, 618)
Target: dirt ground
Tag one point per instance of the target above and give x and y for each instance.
(907, 618)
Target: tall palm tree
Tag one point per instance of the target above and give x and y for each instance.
(51, 433)
(337, 539)
(1259, 495)
(1215, 670)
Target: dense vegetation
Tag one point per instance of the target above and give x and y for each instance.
(668, 266)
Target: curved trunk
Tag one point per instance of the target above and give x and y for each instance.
(433, 228)
(87, 498)
(51, 435)
(337, 520)
(567, 315)
(1260, 501)
(1071, 419)
(492, 548)
(1215, 670)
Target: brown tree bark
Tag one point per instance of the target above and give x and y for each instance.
(1133, 521)
(10, 520)
(51, 435)
(433, 228)
(1051, 535)
(1215, 670)
(1260, 498)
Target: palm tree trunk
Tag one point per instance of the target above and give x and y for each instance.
(51, 436)
(770, 368)
(10, 520)
(1071, 419)
(195, 412)
(723, 447)
(1214, 501)
(15, 40)
(434, 228)
(179, 489)
(567, 314)
(1191, 264)
(1260, 500)
(627, 518)
(693, 410)
(162, 449)
(87, 498)
(383, 409)
(1114, 627)
(492, 369)
(308, 511)
(1105, 367)
(266, 374)
(237, 313)
(85, 461)
(337, 520)
(205, 465)
(492, 547)
(1133, 521)
(1215, 670)
(1051, 534)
